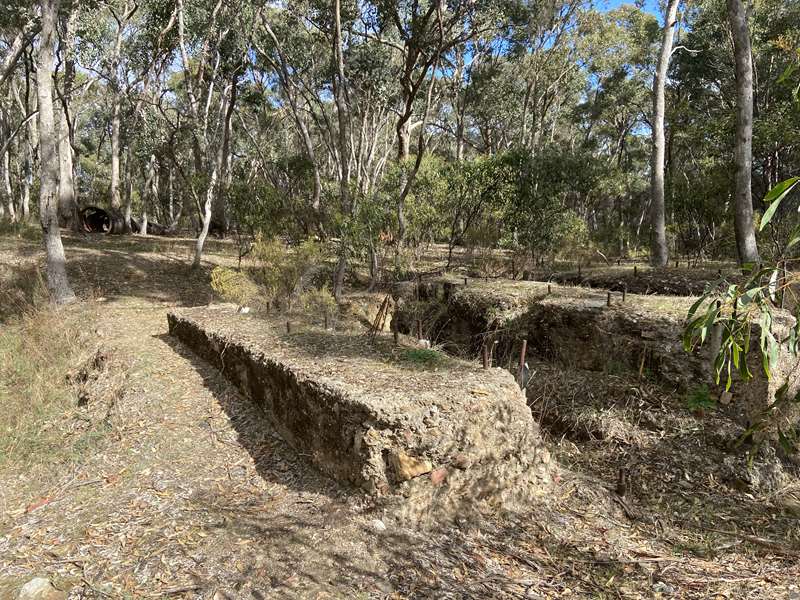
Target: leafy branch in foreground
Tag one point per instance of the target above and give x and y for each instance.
(730, 314)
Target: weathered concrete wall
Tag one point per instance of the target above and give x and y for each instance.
(457, 434)
(577, 329)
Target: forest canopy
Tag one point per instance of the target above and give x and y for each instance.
(384, 125)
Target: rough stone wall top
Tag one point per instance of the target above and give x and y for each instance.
(367, 414)
(576, 327)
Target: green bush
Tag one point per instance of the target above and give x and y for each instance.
(281, 270)
(233, 286)
(318, 301)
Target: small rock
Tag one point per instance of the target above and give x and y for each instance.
(438, 476)
(543, 455)
(659, 587)
(461, 461)
(407, 467)
(40, 588)
(425, 344)
(377, 525)
(725, 398)
(244, 310)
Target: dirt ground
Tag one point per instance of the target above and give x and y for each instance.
(191, 494)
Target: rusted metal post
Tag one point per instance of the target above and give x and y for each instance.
(549, 290)
(288, 327)
(521, 373)
(635, 271)
(608, 299)
(624, 291)
(465, 281)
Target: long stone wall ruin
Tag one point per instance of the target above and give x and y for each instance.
(454, 434)
(577, 328)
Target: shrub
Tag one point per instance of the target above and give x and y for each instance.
(233, 286)
(423, 358)
(318, 301)
(282, 271)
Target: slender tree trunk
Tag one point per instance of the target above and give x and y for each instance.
(659, 254)
(403, 151)
(57, 283)
(149, 192)
(27, 179)
(29, 162)
(66, 183)
(211, 191)
(67, 207)
(116, 197)
(219, 207)
(342, 112)
(171, 197)
(201, 238)
(5, 167)
(15, 51)
(125, 222)
(743, 151)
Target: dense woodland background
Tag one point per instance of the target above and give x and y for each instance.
(383, 126)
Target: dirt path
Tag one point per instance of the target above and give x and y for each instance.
(190, 493)
(187, 491)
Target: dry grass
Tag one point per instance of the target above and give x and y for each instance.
(37, 349)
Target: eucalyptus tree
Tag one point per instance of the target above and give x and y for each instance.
(27, 135)
(422, 33)
(546, 57)
(291, 50)
(659, 254)
(208, 94)
(743, 148)
(67, 203)
(57, 283)
(618, 49)
(18, 26)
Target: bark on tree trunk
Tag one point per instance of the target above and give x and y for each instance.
(27, 182)
(403, 145)
(342, 112)
(66, 184)
(29, 163)
(67, 208)
(149, 192)
(219, 207)
(743, 151)
(57, 283)
(116, 197)
(125, 223)
(212, 187)
(659, 254)
(6, 183)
